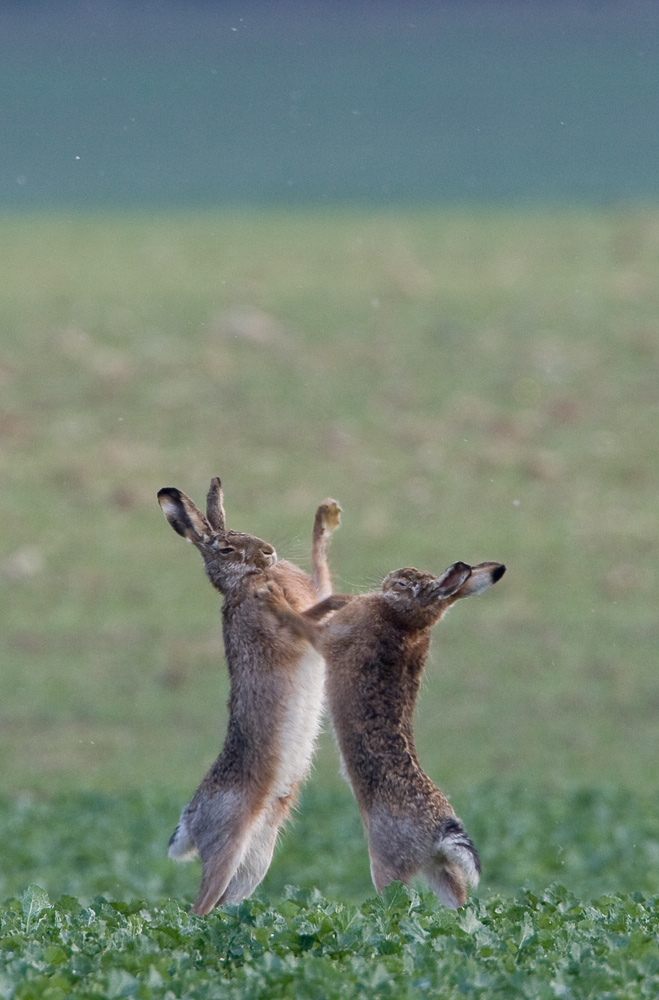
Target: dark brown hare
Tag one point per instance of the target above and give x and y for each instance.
(375, 647)
(275, 704)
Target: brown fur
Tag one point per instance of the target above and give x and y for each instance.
(275, 699)
(375, 648)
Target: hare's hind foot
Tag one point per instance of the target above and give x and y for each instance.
(256, 859)
(448, 883)
(455, 865)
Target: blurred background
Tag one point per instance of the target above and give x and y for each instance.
(402, 254)
(132, 105)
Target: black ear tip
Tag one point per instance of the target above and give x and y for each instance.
(498, 573)
(169, 493)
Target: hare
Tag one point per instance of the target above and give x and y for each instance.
(275, 702)
(375, 647)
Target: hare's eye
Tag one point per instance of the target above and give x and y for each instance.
(399, 585)
(226, 551)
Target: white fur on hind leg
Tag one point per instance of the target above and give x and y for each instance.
(181, 845)
(256, 858)
(454, 865)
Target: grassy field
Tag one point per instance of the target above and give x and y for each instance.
(112, 920)
(399, 946)
(470, 385)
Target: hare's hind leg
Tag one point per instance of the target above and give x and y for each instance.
(448, 883)
(383, 873)
(393, 847)
(220, 827)
(217, 871)
(259, 850)
(254, 864)
(454, 866)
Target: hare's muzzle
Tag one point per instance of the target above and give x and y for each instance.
(270, 555)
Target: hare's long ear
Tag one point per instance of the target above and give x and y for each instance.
(185, 518)
(452, 579)
(482, 576)
(215, 505)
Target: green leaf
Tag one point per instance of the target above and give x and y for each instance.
(34, 900)
(527, 933)
(54, 954)
(468, 921)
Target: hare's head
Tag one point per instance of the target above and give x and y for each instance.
(229, 556)
(413, 587)
(411, 590)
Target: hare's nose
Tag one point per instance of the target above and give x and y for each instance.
(269, 552)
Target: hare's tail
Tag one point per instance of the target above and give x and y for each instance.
(181, 843)
(454, 865)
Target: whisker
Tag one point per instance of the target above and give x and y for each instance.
(342, 583)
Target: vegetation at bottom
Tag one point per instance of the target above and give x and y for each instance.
(399, 945)
(93, 906)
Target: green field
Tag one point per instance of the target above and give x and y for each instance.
(112, 921)
(469, 385)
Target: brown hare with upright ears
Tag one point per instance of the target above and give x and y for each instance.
(275, 702)
(375, 647)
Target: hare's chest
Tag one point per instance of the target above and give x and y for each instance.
(300, 721)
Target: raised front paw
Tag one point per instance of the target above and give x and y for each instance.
(266, 592)
(329, 513)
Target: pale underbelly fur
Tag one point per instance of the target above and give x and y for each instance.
(300, 724)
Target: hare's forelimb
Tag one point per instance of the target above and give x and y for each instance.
(273, 598)
(333, 603)
(327, 520)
